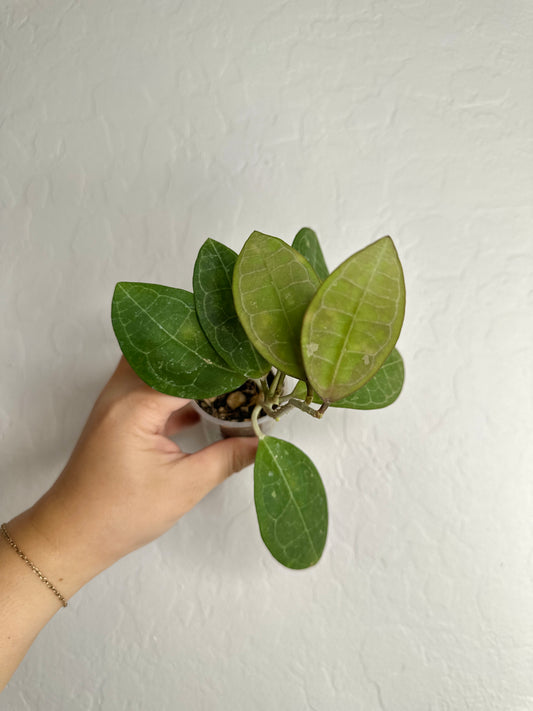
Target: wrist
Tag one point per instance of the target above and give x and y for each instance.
(57, 545)
(26, 602)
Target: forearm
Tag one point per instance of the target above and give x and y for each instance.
(26, 603)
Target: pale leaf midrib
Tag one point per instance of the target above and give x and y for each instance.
(277, 291)
(170, 335)
(280, 470)
(354, 318)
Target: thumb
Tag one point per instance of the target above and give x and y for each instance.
(212, 465)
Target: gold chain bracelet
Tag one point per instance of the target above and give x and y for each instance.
(32, 566)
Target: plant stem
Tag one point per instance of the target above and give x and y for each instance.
(255, 424)
(322, 409)
(309, 398)
(304, 407)
(285, 397)
(264, 387)
(274, 385)
(279, 387)
(273, 396)
(279, 412)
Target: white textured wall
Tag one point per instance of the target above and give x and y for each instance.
(130, 132)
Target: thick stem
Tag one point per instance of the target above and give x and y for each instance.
(322, 409)
(301, 405)
(278, 412)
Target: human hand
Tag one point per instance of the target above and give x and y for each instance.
(125, 484)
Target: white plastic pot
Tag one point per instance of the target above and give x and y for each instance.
(215, 429)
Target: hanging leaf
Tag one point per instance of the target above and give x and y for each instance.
(160, 337)
(306, 242)
(291, 503)
(272, 287)
(213, 298)
(354, 321)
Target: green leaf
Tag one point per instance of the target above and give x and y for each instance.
(306, 242)
(354, 321)
(213, 298)
(380, 391)
(291, 503)
(272, 287)
(160, 337)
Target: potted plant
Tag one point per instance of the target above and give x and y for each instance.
(271, 315)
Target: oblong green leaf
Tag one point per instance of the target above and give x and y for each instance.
(159, 334)
(290, 502)
(306, 242)
(213, 298)
(381, 390)
(272, 287)
(354, 321)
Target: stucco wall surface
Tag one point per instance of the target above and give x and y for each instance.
(130, 132)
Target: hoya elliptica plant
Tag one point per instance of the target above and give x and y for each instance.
(274, 307)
